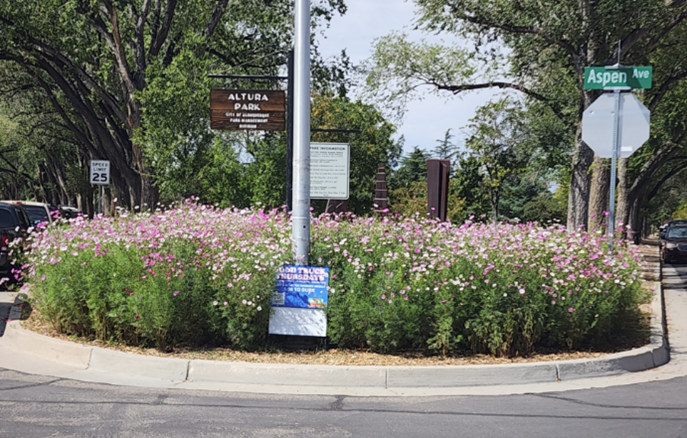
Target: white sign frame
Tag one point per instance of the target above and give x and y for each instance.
(298, 322)
(330, 170)
(634, 123)
(100, 172)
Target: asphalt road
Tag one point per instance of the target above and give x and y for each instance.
(32, 406)
(37, 406)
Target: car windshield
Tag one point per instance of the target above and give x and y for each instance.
(36, 213)
(677, 233)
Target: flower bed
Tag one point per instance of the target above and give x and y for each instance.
(196, 275)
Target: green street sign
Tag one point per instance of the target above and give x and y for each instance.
(604, 78)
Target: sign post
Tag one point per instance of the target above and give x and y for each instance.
(630, 119)
(300, 218)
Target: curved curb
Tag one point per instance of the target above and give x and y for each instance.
(100, 361)
(97, 364)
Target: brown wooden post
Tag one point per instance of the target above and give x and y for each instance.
(437, 187)
(381, 201)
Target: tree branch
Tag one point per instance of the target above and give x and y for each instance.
(159, 38)
(212, 24)
(663, 89)
(456, 89)
(665, 178)
(119, 52)
(511, 28)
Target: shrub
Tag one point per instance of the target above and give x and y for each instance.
(500, 289)
(197, 275)
(191, 275)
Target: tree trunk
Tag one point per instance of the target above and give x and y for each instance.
(635, 211)
(598, 196)
(578, 195)
(623, 210)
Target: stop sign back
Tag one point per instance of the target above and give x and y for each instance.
(633, 125)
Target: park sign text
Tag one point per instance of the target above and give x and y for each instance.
(235, 110)
(601, 78)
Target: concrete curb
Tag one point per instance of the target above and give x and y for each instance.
(99, 361)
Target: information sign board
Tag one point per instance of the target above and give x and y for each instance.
(329, 170)
(100, 172)
(234, 110)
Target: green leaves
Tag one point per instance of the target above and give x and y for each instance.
(400, 70)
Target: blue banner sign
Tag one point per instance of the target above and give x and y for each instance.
(303, 287)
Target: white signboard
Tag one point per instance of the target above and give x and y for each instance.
(100, 172)
(633, 125)
(298, 322)
(329, 170)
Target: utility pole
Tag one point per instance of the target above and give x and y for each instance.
(300, 218)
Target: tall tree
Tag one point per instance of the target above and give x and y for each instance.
(100, 62)
(370, 145)
(497, 139)
(549, 44)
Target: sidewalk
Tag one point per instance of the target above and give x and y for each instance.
(30, 352)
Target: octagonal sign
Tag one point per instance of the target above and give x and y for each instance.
(633, 124)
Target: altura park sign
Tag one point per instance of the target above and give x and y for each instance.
(234, 110)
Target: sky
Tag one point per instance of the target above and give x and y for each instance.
(426, 121)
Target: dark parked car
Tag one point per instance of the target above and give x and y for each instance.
(14, 223)
(38, 212)
(674, 246)
(663, 229)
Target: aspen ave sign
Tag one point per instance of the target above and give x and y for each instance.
(602, 78)
(234, 110)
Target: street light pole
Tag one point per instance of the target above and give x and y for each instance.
(300, 218)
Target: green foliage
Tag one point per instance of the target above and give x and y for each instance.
(496, 142)
(190, 276)
(371, 146)
(681, 211)
(197, 276)
(408, 284)
(413, 169)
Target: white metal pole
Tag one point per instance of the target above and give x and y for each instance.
(300, 218)
(614, 160)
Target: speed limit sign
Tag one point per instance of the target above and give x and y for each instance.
(100, 172)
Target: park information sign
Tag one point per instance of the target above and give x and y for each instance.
(605, 78)
(100, 172)
(234, 110)
(329, 170)
(299, 300)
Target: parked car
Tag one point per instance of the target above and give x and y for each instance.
(674, 246)
(14, 224)
(67, 211)
(663, 229)
(38, 212)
